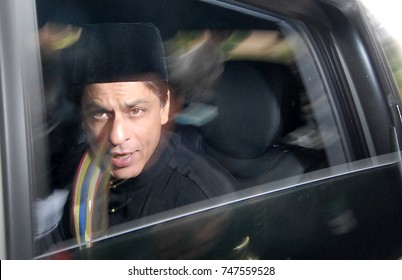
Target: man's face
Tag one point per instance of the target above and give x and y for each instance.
(123, 120)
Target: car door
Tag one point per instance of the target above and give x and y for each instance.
(346, 205)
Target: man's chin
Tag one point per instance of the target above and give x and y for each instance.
(124, 173)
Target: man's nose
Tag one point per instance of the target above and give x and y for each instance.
(118, 131)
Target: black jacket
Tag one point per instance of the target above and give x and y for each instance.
(179, 176)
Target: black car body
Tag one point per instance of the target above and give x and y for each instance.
(338, 197)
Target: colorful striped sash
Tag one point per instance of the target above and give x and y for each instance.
(90, 199)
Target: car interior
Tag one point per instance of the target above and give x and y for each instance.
(250, 103)
(258, 103)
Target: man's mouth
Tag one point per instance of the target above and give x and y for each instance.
(122, 156)
(121, 160)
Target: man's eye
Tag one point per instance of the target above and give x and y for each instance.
(100, 115)
(136, 111)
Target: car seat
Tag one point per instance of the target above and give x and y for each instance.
(257, 104)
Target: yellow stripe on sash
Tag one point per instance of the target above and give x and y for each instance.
(82, 170)
(89, 205)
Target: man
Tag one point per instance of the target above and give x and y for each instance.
(130, 166)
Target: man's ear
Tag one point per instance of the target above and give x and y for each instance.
(165, 110)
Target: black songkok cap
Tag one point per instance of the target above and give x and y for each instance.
(115, 52)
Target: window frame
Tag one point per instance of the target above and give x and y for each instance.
(360, 88)
(21, 123)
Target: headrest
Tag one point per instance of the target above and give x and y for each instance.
(249, 116)
(115, 52)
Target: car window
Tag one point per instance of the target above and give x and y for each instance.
(251, 99)
(251, 93)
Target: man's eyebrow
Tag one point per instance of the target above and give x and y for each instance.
(93, 106)
(134, 103)
(126, 104)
